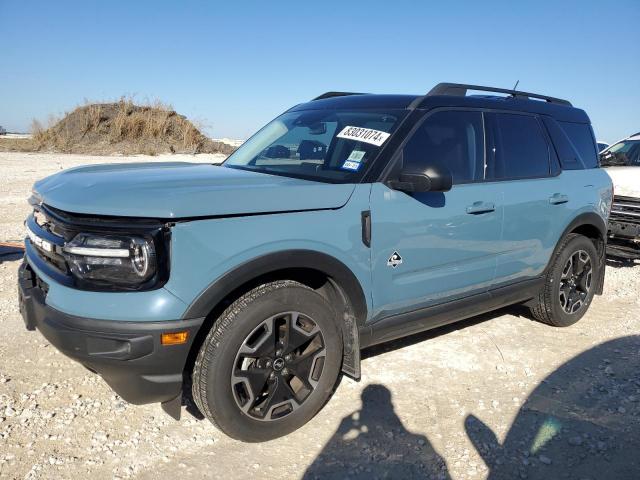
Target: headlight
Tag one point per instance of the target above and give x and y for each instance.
(125, 261)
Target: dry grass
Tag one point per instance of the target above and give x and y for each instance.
(93, 117)
(120, 127)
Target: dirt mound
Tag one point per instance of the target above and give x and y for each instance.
(126, 128)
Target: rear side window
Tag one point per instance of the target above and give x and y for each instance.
(571, 155)
(452, 139)
(521, 149)
(581, 137)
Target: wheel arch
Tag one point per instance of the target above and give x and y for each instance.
(324, 273)
(593, 226)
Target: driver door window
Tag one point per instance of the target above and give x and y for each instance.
(451, 139)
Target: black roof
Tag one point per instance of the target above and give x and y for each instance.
(359, 101)
(451, 95)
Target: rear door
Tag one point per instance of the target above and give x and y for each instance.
(521, 160)
(430, 248)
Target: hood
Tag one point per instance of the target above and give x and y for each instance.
(179, 190)
(626, 180)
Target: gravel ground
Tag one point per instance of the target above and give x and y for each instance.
(497, 396)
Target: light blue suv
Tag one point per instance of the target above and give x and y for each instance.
(347, 221)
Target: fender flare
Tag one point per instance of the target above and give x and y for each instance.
(337, 272)
(219, 289)
(587, 218)
(591, 219)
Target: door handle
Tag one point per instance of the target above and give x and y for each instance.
(558, 198)
(481, 207)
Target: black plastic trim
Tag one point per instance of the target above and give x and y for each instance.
(366, 228)
(286, 259)
(128, 355)
(415, 321)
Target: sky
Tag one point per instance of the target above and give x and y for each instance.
(233, 66)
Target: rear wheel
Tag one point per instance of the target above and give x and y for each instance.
(270, 362)
(569, 284)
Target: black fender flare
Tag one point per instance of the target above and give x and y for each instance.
(587, 218)
(338, 273)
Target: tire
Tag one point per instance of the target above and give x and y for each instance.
(248, 365)
(569, 287)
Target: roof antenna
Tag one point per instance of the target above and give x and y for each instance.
(516, 85)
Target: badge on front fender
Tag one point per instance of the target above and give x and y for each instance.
(394, 260)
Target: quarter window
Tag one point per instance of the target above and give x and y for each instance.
(451, 139)
(582, 139)
(521, 150)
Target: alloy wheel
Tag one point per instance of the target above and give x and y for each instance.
(575, 282)
(278, 366)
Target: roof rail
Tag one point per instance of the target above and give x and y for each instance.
(335, 94)
(460, 90)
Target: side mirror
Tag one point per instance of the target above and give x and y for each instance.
(432, 179)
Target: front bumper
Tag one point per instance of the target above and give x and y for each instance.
(624, 228)
(127, 355)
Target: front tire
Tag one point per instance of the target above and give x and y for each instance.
(570, 283)
(270, 362)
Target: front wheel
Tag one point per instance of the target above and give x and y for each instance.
(570, 283)
(270, 362)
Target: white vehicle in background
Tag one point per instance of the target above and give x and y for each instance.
(602, 146)
(622, 162)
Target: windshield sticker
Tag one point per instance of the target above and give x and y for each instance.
(367, 135)
(356, 156)
(350, 165)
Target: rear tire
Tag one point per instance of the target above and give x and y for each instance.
(270, 362)
(570, 283)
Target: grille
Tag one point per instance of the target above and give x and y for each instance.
(626, 209)
(45, 226)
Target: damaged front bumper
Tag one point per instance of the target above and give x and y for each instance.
(128, 355)
(624, 228)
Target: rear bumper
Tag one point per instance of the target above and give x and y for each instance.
(128, 355)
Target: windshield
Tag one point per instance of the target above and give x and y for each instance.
(326, 146)
(622, 154)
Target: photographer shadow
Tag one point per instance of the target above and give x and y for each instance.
(373, 443)
(581, 422)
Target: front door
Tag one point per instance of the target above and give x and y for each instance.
(430, 248)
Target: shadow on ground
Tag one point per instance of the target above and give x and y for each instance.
(581, 422)
(616, 262)
(373, 443)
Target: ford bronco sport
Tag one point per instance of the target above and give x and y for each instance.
(349, 220)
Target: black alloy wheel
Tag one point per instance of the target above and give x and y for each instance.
(569, 283)
(270, 362)
(278, 366)
(575, 282)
